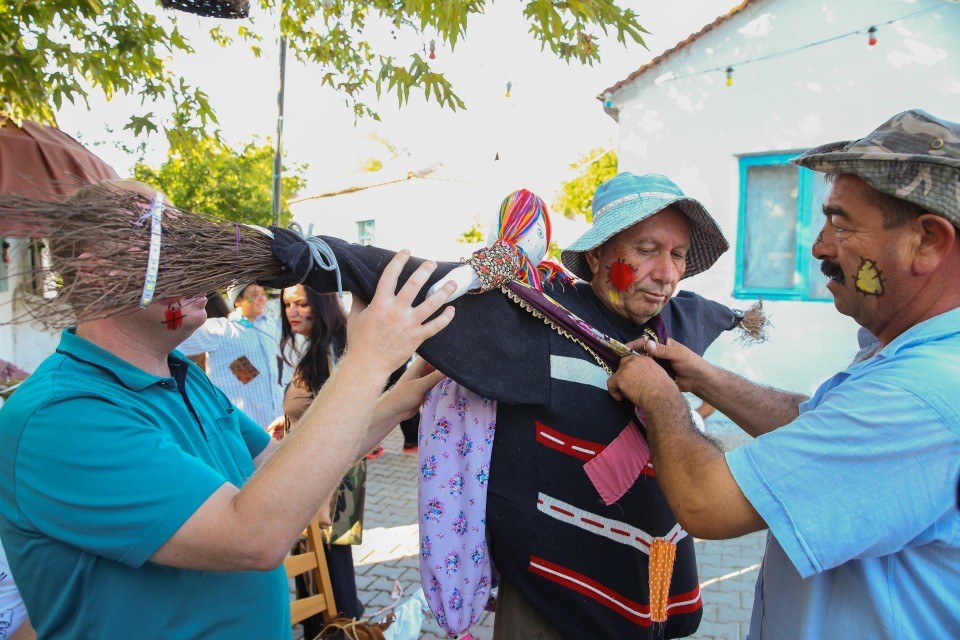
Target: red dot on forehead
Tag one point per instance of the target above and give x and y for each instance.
(621, 275)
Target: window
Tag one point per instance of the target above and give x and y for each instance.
(365, 231)
(780, 216)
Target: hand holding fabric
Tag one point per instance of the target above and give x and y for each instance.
(385, 334)
(642, 381)
(276, 427)
(403, 399)
(689, 369)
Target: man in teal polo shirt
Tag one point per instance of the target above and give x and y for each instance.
(137, 502)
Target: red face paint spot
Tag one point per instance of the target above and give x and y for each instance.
(174, 317)
(621, 275)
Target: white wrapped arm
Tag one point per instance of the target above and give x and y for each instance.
(465, 278)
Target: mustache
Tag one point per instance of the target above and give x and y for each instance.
(833, 271)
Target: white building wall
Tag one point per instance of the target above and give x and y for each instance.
(423, 215)
(693, 128)
(25, 344)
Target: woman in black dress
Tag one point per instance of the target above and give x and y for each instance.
(320, 323)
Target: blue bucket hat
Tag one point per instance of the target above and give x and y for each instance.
(626, 199)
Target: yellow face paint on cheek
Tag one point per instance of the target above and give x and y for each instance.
(869, 281)
(614, 297)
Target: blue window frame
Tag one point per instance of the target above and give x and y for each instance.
(779, 218)
(366, 231)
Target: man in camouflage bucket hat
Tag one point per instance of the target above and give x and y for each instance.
(857, 485)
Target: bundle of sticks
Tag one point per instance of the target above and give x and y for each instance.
(98, 246)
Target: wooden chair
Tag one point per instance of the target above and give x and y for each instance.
(313, 560)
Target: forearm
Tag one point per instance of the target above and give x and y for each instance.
(295, 482)
(254, 527)
(384, 418)
(755, 408)
(693, 474)
(402, 401)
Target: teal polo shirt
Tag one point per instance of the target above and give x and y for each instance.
(100, 463)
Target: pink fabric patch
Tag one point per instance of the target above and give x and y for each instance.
(614, 470)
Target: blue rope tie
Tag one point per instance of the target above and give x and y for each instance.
(320, 253)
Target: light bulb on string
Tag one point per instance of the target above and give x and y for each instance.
(872, 36)
(433, 49)
(729, 76)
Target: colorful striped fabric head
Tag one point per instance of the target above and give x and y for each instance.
(518, 217)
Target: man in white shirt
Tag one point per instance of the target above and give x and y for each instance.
(243, 354)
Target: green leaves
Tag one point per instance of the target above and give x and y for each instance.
(575, 197)
(56, 50)
(208, 176)
(473, 234)
(140, 124)
(570, 28)
(400, 81)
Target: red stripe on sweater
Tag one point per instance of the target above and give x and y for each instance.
(636, 612)
(582, 449)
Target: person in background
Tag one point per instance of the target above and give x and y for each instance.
(319, 319)
(216, 308)
(243, 354)
(10, 378)
(857, 485)
(14, 624)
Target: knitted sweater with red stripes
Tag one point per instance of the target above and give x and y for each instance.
(581, 564)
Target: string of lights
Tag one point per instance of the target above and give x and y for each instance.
(870, 31)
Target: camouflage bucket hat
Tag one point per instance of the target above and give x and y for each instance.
(626, 199)
(912, 156)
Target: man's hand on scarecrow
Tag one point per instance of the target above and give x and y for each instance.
(640, 380)
(390, 329)
(403, 399)
(689, 368)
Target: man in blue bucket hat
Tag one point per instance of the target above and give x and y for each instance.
(858, 484)
(625, 209)
(579, 531)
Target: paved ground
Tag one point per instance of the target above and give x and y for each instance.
(728, 569)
